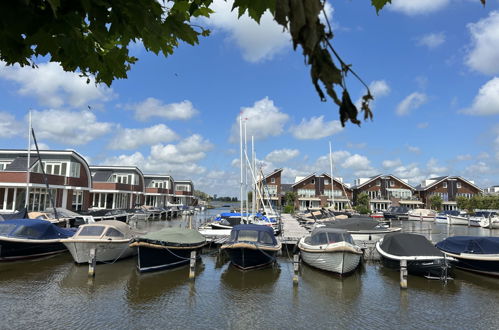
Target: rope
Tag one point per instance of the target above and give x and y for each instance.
(112, 262)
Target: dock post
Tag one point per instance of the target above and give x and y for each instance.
(192, 266)
(490, 221)
(91, 263)
(421, 217)
(296, 268)
(469, 224)
(403, 274)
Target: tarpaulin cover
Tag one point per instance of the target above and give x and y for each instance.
(173, 236)
(353, 224)
(470, 244)
(33, 229)
(256, 228)
(411, 245)
(23, 214)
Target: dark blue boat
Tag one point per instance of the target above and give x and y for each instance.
(30, 238)
(252, 246)
(474, 253)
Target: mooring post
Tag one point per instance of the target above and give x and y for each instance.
(192, 267)
(490, 220)
(403, 274)
(421, 217)
(91, 262)
(296, 268)
(469, 224)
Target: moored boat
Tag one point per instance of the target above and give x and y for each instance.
(361, 229)
(422, 257)
(491, 222)
(30, 238)
(167, 248)
(474, 253)
(330, 249)
(109, 238)
(421, 215)
(252, 246)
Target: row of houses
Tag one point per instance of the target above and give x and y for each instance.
(75, 185)
(314, 191)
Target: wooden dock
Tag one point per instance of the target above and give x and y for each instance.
(291, 230)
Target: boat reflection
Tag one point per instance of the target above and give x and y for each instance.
(257, 279)
(34, 269)
(147, 287)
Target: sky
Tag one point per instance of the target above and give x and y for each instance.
(432, 65)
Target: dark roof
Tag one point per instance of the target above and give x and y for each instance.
(409, 245)
(101, 175)
(147, 181)
(286, 187)
(19, 164)
(353, 224)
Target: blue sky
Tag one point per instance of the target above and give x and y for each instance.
(433, 67)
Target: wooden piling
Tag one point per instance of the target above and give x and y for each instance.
(91, 262)
(490, 221)
(192, 265)
(403, 274)
(296, 268)
(469, 223)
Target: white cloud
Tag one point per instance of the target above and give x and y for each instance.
(356, 145)
(434, 168)
(316, 128)
(484, 53)
(487, 100)
(41, 146)
(176, 160)
(258, 42)
(152, 107)
(391, 163)
(282, 155)
(262, 120)
(423, 125)
(411, 102)
(410, 172)
(432, 40)
(464, 157)
(414, 149)
(417, 7)
(55, 87)
(132, 138)
(379, 88)
(9, 126)
(478, 168)
(68, 127)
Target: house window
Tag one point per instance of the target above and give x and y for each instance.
(445, 184)
(313, 181)
(272, 180)
(77, 200)
(458, 184)
(378, 183)
(392, 183)
(326, 181)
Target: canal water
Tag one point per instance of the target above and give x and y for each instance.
(54, 293)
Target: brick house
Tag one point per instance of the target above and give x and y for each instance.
(159, 190)
(385, 191)
(448, 188)
(67, 173)
(184, 193)
(116, 187)
(270, 190)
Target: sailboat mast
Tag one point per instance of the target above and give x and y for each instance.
(241, 160)
(246, 170)
(28, 170)
(332, 177)
(253, 199)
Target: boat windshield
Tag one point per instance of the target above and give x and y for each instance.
(6, 228)
(247, 236)
(330, 238)
(26, 231)
(91, 231)
(111, 232)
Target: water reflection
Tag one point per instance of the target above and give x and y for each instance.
(257, 279)
(144, 288)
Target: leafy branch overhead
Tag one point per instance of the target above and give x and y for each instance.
(93, 37)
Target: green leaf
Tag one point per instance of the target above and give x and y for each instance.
(379, 4)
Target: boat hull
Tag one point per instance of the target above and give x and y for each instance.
(104, 251)
(153, 259)
(457, 220)
(438, 268)
(250, 258)
(340, 262)
(419, 218)
(23, 250)
(478, 266)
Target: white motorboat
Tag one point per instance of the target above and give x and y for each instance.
(109, 238)
(361, 229)
(491, 223)
(330, 249)
(422, 215)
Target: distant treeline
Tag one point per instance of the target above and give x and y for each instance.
(478, 202)
(225, 199)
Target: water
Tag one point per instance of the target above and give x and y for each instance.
(55, 293)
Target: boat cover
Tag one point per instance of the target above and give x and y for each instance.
(173, 236)
(353, 224)
(470, 244)
(411, 245)
(23, 214)
(260, 229)
(33, 229)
